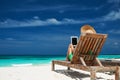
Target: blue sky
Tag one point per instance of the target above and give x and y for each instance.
(44, 27)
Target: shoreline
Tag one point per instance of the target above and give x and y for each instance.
(6, 61)
(26, 65)
(42, 64)
(44, 72)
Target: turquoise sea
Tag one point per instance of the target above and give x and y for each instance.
(6, 61)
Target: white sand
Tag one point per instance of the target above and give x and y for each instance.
(43, 72)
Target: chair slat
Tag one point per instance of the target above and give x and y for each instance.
(89, 46)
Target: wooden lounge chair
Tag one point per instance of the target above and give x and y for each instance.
(85, 56)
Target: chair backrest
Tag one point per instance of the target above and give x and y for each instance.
(88, 47)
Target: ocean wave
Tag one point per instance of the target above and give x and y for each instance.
(17, 65)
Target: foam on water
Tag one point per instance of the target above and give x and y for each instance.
(27, 60)
(38, 60)
(17, 65)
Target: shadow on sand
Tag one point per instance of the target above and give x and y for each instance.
(75, 74)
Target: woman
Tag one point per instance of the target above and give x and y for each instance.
(84, 29)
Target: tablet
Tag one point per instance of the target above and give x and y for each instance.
(74, 40)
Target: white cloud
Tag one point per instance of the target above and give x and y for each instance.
(114, 1)
(33, 22)
(113, 43)
(113, 15)
(114, 31)
(53, 21)
(9, 39)
(70, 21)
(43, 8)
(35, 17)
(36, 21)
(101, 24)
(61, 11)
(116, 43)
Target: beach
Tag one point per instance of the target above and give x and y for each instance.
(44, 72)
